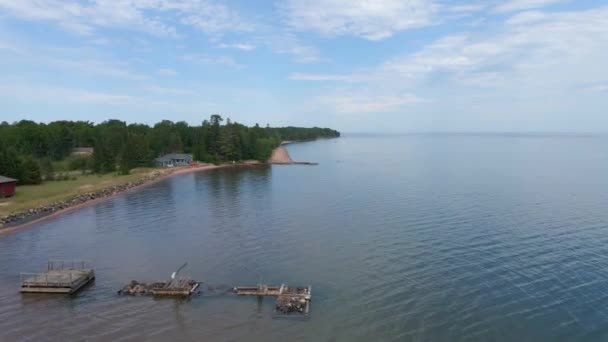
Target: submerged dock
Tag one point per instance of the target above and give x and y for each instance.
(60, 277)
(289, 299)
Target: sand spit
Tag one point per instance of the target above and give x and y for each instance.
(280, 156)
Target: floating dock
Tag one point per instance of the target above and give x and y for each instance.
(176, 287)
(290, 300)
(173, 288)
(61, 277)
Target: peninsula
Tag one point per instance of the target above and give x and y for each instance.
(64, 165)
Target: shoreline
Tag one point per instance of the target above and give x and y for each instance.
(279, 156)
(106, 194)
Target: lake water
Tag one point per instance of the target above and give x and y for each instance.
(429, 237)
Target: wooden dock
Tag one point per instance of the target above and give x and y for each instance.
(61, 277)
(289, 300)
(172, 288)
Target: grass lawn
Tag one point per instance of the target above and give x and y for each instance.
(31, 196)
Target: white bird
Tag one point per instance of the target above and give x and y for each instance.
(174, 274)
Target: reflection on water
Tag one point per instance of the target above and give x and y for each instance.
(415, 237)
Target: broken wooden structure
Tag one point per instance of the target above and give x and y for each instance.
(173, 288)
(60, 277)
(290, 300)
(176, 287)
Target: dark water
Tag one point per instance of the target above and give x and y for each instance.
(403, 238)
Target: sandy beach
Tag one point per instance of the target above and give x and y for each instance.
(280, 156)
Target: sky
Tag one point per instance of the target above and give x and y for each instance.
(352, 65)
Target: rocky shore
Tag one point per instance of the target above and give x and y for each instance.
(77, 200)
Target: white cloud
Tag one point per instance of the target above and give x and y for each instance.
(468, 8)
(529, 42)
(139, 15)
(54, 94)
(213, 18)
(167, 72)
(211, 60)
(298, 76)
(373, 20)
(366, 103)
(152, 88)
(93, 66)
(519, 5)
(533, 55)
(288, 43)
(527, 17)
(238, 46)
(598, 87)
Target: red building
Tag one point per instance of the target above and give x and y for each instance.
(7, 186)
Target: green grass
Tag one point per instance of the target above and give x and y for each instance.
(31, 196)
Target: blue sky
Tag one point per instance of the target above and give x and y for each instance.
(384, 65)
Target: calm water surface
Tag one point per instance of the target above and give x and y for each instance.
(403, 238)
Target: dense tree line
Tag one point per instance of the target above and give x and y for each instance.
(27, 148)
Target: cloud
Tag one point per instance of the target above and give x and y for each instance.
(532, 55)
(529, 42)
(152, 88)
(54, 94)
(289, 43)
(139, 15)
(238, 46)
(211, 60)
(600, 87)
(212, 18)
(93, 66)
(297, 76)
(366, 103)
(528, 17)
(167, 72)
(372, 20)
(519, 5)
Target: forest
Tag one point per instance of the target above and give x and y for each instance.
(31, 152)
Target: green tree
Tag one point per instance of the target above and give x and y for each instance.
(103, 159)
(31, 171)
(213, 137)
(46, 168)
(10, 163)
(230, 142)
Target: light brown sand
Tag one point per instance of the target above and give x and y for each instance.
(280, 156)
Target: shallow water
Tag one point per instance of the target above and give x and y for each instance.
(430, 237)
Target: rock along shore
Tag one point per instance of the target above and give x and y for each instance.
(19, 219)
(78, 200)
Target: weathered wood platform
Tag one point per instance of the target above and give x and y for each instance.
(60, 277)
(289, 299)
(173, 288)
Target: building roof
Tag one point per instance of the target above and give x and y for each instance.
(6, 180)
(82, 150)
(172, 156)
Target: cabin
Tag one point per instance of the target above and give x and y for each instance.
(82, 151)
(174, 159)
(7, 186)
